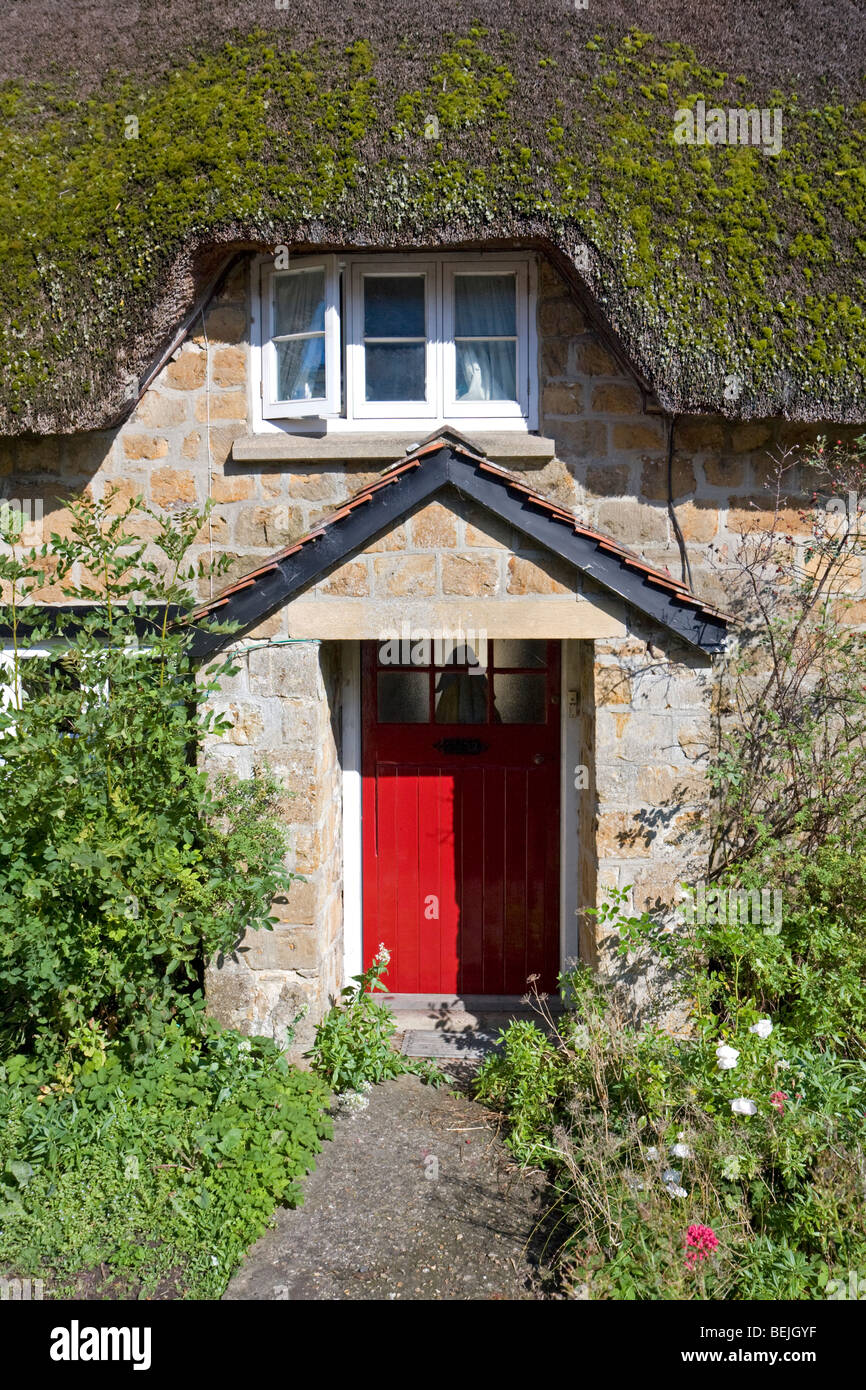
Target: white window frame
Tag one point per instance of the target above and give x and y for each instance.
(454, 408)
(346, 411)
(272, 406)
(357, 406)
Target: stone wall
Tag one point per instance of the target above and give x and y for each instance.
(644, 701)
(610, 460)
(284, 707)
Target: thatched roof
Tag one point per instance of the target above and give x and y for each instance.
(733, 278)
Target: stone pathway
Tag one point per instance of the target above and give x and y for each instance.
(415, 1198)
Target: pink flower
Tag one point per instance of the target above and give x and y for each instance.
(777, 1100)
(701, 1242)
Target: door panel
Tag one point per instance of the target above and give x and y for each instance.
(461, 819)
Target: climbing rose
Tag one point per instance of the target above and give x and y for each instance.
(742, 1106)
(763, 1028)
(777, 1100)
(701, 1242)
(680, 1151)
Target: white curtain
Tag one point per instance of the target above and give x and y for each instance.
(484, 309)
(300, 308)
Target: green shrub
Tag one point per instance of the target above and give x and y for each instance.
(122, 868)
(642, 1143)
(353, 1048)
(157, 1173)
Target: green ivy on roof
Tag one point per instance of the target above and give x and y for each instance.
(733, 279)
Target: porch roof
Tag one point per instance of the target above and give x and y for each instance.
(447, 460)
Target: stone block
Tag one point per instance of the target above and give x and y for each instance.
(283, 948)
(616, 398)
(350, 580)
(526, 577)
(188, 372)
(608, 480)
(172, 487)
(624, 835)
(612, 686)
(156, 410)
(563, 400)
(400, 576)
(232, 487)
(229, 366)
(392, 540)
(595, 360)
(654, 478)
(144, 446)
(646, 435)
(698, 521)
(578, 439)
(469, 575)
(221, 405)
(721, 471)
(433, 528)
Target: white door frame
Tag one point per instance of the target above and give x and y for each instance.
(352, 836)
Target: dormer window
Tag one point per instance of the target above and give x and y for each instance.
(384, 343)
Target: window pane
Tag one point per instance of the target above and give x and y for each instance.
(520, 651)
(520, 699)
(299, 302)
(448, 652)
(394, 306)
(301, 369)
(403, 697)
(395, 371)
(484, 306)
(486, 371)
(461, 698)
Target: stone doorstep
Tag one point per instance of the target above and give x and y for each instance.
(460, 1014)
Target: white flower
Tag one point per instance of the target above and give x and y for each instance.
(580, 1036)
(383, 955)
(731, 1167)
(763, 1028)
(680, 1151)
(672, 1175)
(726, 1057)
(652, 1154)
(214, 1260)
(674, 1190)
(244, 1045)
(743, 1106)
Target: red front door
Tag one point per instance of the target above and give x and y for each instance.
(461, 816)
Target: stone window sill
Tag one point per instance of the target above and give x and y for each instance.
(501, 447)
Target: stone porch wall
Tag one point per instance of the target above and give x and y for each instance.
(284, 706)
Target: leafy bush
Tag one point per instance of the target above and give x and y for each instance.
(121, 866)
(141, 1150)
(157, 1174)
(353, 1047)
(643, 1142)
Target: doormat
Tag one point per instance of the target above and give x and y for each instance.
(462, 1047)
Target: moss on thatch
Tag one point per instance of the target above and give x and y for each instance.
(734, 279)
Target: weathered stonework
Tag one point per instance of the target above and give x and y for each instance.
(644, 702)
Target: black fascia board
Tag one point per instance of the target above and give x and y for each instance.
(696, 627)
(450, 466)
